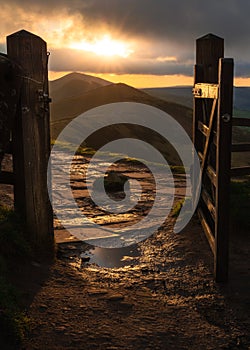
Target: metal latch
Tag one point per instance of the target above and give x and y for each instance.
(202, 90)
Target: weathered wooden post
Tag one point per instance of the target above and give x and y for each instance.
(31, 138)
(223, 167)
(209, 49)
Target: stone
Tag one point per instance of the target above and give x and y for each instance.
(115, 297)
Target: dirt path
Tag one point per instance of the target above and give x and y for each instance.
(163, 299)
(166, 300)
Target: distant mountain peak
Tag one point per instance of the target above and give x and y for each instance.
(74, 84)
(81, 76)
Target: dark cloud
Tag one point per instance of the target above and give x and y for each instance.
(159, 18)
(163, 24)
(63, 60)
(175, 20)
(242, 69)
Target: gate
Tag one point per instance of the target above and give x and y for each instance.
(212, 136)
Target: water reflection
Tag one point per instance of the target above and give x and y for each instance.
(115, 257)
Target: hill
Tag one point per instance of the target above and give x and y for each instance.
(74, 84)
(63, 110)
(183, 95)
(77, 93)
(242, 99)
(179, 94)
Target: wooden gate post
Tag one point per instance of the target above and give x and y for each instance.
(31, 138)
(223, 167)
(209, 49)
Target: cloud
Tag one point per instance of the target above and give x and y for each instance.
(159, 28)
(156, 18)
(64, 60)
(242, 69)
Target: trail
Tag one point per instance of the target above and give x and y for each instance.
(163, 298)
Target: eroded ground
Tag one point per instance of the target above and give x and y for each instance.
(164, 298)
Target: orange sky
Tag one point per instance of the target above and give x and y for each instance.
(160, 55)
(144, 81)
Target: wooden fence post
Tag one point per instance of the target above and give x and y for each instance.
(223, 167)
(209, 49)
(31, 138)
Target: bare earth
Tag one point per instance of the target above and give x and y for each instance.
(168, 301)
(164, 299)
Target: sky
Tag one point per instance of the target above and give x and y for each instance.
(144, 43)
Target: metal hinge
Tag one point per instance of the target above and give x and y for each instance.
(43, 97)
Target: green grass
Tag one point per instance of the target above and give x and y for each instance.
(87, 151)
(240, 202)
(13, 246)
(177, 208)
(241, 113)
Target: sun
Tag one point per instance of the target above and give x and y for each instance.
(106, 46)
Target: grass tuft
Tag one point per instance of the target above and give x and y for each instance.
(13, 322)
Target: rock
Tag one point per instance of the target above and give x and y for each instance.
(84, 258)
(113, 182)
(97, 291)
(115, 297)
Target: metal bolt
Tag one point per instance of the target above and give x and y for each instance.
(25, 109)
(226, 118)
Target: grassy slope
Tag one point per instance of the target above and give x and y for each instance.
(77, 93)
(179, 95)
(13, 249)
(63, 112)
(74, 84)
(183, 95)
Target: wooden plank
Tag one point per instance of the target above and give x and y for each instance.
(209, 137)
(204, 90)
(240, 147)
(223, 168)
(6, 178)
(207, 230)
(240, 171)
(241, 122)
(203, 128)
(200, 154)
(212, 175)
(32, 138)
(209, 204)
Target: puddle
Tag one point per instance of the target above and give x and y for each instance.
(115, 257)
